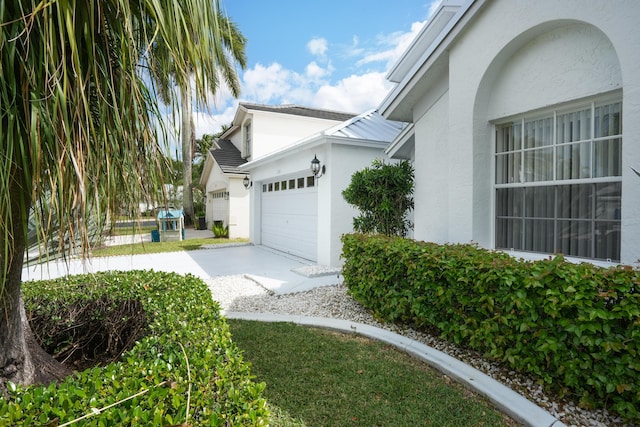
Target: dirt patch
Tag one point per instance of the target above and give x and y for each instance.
(90, 333)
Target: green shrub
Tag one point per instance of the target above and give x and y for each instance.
(574, 326)
(219, 229)
(383, 193)
(185, 365)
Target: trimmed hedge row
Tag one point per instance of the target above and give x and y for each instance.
(575, 326)
(186, 369)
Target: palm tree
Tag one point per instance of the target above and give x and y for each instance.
(223, 67)
(202, 148)
(77, 132)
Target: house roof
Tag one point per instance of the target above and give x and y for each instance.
(228, 157)
(370, 126)
(298, 110)
(367, 129)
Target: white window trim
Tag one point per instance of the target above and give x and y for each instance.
(247, 139)
(562, 108)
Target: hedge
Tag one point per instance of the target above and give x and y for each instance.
(576, 327)
(184, 369)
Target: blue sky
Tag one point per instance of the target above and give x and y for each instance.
(330, 54)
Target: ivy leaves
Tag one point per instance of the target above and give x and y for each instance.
(574, 326)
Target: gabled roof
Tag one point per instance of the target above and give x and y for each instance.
(368, 129)
(298, 110)
(228, 157)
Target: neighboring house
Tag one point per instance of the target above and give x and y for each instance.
(256, 130)
(294, 211)
(525, 126)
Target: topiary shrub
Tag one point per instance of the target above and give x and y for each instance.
(384, 195)
(182, 369)
(574, 326)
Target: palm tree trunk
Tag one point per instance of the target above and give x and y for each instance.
(15, 360)
(186, 135)
(22, 360)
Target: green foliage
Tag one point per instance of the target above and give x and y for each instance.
(219, 229)
(383, 194)
(576, 327)
(185, 370)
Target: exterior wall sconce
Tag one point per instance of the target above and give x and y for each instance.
(247, 182)
(317, 169)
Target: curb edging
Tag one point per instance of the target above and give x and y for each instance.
(507, 400)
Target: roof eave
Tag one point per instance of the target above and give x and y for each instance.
(425, 37)
(399, 147)
(206, 171)
(393, 106)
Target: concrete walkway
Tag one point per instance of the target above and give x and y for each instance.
(281, 273)
(273, 270)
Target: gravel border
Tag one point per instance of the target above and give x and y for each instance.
(240, 294)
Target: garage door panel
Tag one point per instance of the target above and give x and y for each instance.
(294, 202)
(289, 221)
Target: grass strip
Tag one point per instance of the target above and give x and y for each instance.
(131, 230)
(158, 247)
(323, 378)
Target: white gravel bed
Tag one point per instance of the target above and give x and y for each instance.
(226, 289)
(237, 293)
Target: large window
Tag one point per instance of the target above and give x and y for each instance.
(558, 182)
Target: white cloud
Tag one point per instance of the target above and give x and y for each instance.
(355, 94)
(316, 72)
(318, 46)
(273, 84)
(211, 123)
(391, 47)
(435, 5)
(267, 84)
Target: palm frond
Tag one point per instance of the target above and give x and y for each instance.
(78, 120)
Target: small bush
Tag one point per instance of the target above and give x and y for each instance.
(185, 369)
(574, 326)
(383, 193)
(219, 229)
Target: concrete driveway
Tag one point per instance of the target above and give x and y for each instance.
(276, 271)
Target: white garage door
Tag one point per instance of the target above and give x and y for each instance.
(289, 221)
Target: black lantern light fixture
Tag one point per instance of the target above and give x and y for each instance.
(317, 169)
(247, 182)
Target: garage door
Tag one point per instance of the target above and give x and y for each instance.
(289, 217)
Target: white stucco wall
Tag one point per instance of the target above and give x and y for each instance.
(516, 57)
(215, 182)
(432, 175)
(239, 209)
(273, 131)
(236, 214)
(336, 212)
(335, 216)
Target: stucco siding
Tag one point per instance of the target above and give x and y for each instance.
(517, 57)
(272, 132)
(238, 209)
(432, 174)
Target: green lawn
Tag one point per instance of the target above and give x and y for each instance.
(321, 378)
(157, 247)
(130, 230)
